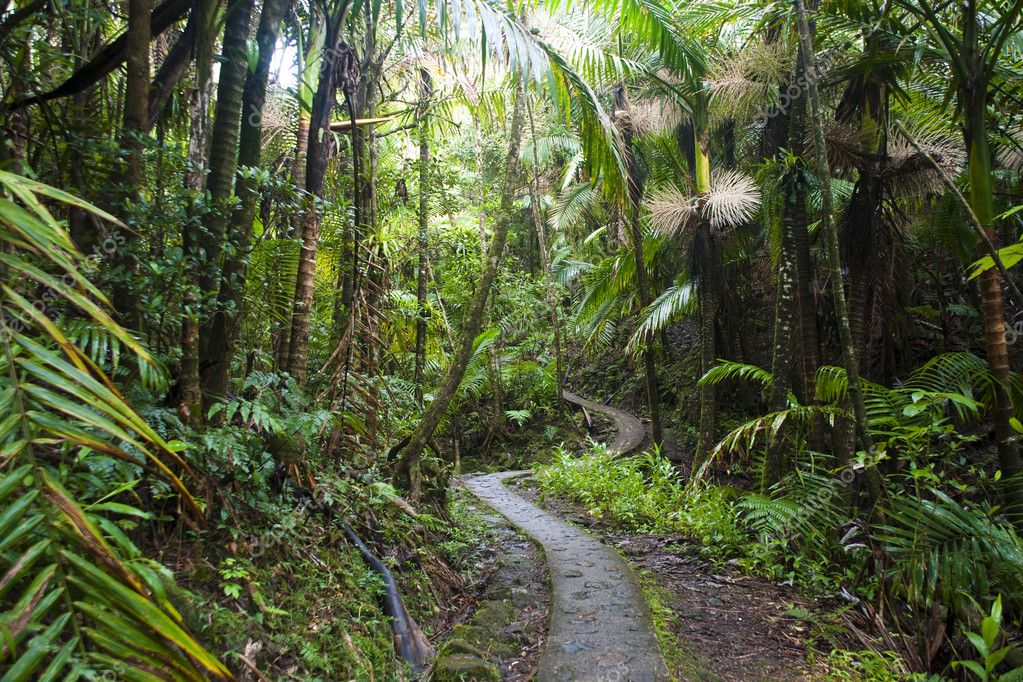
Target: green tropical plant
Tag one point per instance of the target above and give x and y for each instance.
(77, 594)
(989, 653)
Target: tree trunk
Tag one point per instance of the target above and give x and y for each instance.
(224, 324)
(973, 95)
(785, 318)
(830, 237)
(545, 260)
(195, 174)
(798, 225)
(309, 72)
(709, 287)
(423, 236)
(136, 116)
(634, 197)
(408, 470)
(223, 161)
(337, 62)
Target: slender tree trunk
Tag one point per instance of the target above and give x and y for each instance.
(798, 225)
(223, 166)
(423, 236)
(136, 116)
(973, 97)
(545, 259)
(337, 64)
(408, 469)
(309, 72)
(709, 290)
(635, 199)
(785, 319)
(830, 237)
(649, 348)
(224, 323)
(195, 175)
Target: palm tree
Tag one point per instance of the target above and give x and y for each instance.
(223, 326)
(969, 40)
(223, 157)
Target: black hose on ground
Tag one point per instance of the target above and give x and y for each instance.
(409, 640)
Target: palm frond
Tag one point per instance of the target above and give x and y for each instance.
(732, 200)
(71, 601)
(677, 301)
(725, 370)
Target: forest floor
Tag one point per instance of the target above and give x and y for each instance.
(713, 623)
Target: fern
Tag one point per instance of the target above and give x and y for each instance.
(942, 550)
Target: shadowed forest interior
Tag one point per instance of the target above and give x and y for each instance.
(290, 288)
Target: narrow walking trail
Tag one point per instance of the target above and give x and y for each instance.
(600, 626)
(630, 429)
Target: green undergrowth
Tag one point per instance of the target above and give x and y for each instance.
(645, 494)
(282, 586)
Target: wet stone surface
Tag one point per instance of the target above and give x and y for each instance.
(600, 627)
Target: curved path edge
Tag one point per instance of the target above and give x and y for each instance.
(631, 430)
(600, 625)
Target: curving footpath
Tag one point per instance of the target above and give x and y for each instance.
(600, 627)
(631, 431)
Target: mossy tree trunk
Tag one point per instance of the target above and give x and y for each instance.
(227, 316)
(423, 236)
(223, 162)
(408, 470)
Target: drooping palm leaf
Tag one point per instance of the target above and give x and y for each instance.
(70, 601)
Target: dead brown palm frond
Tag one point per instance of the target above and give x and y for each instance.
(743, 84)
(651, 116)
(1010, 155)
(733, 199)
(672, 211)
(845, 147)
(913, 173)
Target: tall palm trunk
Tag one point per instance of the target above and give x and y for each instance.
(223, 162)
(798, 226)
(309, 72)
(830, 236)
(973, 100)
(423, 236)
(195, 175)
(408, 470)
(136, 117)
(785, 319)
(709, 278)
(224, 324)
(339, 64)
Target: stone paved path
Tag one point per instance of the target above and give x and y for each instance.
(600, 627)
(630, 429)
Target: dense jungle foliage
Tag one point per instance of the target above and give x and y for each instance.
(274, 273)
